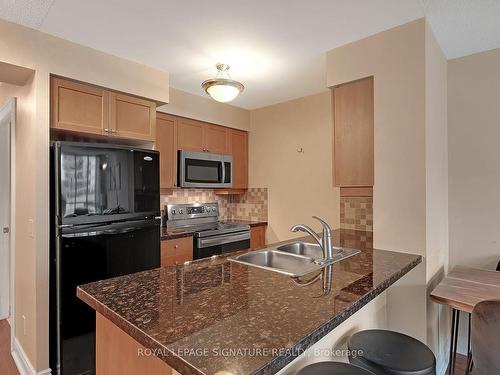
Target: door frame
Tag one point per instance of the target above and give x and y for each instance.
(10, 107)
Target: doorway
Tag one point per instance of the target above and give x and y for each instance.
(7, 123)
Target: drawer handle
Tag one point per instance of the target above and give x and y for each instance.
(176, 246)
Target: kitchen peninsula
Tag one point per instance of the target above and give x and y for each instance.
(214, 316)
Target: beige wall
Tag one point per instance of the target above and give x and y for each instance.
(474, 153)
(206, 109)
(396, 59)
(46, 54)
(24, 210)
(436, 154)
(474, 174)
(299, 184)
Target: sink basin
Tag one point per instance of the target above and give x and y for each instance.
(293, 259)
(279, 261)
(303, 248)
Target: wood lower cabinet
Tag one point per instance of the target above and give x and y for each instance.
(166, 145)
(84, 108)
(176, 250)
(353, 144)
(257, 237)
(117, 353)
(132, 117)
(239, 151)
(79, 107)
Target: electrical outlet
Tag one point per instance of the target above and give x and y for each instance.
(24, 325)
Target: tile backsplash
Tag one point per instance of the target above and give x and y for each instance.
(252, 205)
(249, 206)
(356, 213)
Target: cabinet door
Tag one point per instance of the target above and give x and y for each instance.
(239, 151)
(190, 135)
(165, 143)
(353, 134)
(79, 107)
(257, 237)
(131, 117)
(216, 139)
(176, 250)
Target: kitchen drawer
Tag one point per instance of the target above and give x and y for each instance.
(176, 250)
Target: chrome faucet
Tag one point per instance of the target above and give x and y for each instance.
(325, 242)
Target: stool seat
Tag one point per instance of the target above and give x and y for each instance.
(333, 368)
(390, 353)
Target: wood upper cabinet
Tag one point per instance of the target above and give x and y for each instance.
(79, 107)
(353, 159)
(190, 135)
(166, 145)
(239, 151)
(176, 250)
(216, 139)
(131, 117)
(85, 108)
(193, 135)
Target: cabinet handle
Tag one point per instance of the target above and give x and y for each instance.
(176, 246)
(106, 130)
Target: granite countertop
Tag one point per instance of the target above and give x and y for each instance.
(213, 315)
(170, 234)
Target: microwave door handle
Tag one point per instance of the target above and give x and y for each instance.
(223, 171)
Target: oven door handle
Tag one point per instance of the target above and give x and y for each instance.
(222, 239)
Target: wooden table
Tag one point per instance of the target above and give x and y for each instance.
(462, 289)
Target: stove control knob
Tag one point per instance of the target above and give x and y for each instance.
(172, 212)
(180, 211)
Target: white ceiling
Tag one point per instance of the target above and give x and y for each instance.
(276, 48)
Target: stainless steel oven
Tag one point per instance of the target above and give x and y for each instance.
(204, 170)
(210, 236)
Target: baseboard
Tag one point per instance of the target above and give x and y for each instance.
(22, 362)
(441, 370)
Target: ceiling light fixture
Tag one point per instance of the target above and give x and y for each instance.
(222, 88)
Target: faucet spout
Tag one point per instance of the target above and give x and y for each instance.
(325, 242)
(308, 230)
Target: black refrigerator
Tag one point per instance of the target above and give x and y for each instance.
(105, 222)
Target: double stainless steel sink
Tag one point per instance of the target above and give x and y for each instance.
(294, 259)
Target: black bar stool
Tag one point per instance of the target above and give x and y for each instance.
(332, 368)
(485, 337)
(387, 352)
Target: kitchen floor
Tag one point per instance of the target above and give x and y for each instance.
(7, 365)
(460, 366)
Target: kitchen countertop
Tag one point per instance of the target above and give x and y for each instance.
(213, 315)
(170, 234)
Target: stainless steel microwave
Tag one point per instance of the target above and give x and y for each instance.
(204, 170)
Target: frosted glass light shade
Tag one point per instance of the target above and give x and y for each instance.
(222, 92)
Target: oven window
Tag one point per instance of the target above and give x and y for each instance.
(203, 171)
